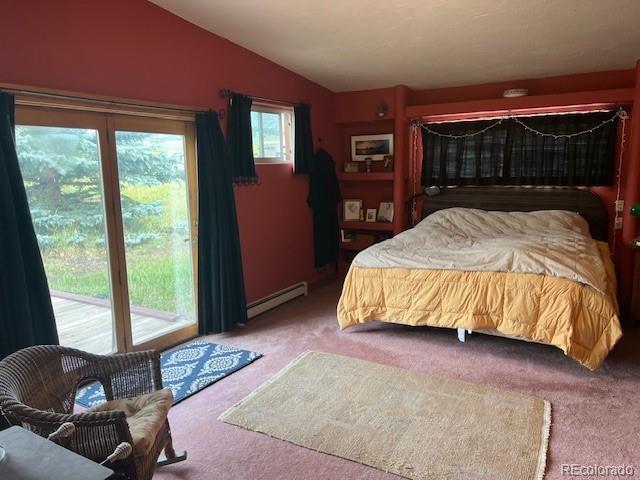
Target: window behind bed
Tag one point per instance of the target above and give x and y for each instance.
(511, 151)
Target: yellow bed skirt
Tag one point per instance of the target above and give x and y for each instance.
(576, 318)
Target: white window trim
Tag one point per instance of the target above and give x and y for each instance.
(286, 114)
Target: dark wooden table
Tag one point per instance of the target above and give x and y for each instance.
(31, 457)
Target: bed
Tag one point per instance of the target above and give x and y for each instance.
(527, 263)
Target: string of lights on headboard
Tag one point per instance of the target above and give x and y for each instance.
(619, 113)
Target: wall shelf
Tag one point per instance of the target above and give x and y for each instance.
(366, 121)
(366, 177)
(354, 246)
(357, 225)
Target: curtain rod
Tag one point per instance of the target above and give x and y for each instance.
(227, 93)
(510, 115)
(114, 103)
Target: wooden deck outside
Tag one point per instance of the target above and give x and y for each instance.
(88, 326)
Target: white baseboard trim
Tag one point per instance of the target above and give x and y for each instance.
(276, 299)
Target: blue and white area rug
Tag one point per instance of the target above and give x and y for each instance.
(186, 370)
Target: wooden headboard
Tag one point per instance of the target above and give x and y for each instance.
(525, 199)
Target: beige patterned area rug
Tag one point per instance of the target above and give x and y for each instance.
(399, 421)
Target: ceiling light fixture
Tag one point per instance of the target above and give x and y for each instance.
(515, 93)
(382, 109)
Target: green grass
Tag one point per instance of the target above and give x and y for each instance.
(172, 196)
(156, 279)
(159, 272)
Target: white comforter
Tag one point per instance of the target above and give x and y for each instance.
(550, 242)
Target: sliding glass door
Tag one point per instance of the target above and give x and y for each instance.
(62, 168)
(153, 180)
(113, 206)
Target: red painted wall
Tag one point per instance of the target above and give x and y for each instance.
(539, 86)
(361, 106)
(134, 49)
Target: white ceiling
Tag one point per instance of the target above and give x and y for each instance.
(362, 44)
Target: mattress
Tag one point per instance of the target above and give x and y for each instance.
(535, 275)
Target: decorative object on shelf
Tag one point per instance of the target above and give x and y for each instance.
(367, 164)
(347, 236)
(385, 212)
(371, 146)
(351, 167)
(371, 215)
(351, 209)
(361, 214)
(432, 191)
(382, 110)
(388, 163)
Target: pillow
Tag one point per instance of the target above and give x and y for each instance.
(536, 222)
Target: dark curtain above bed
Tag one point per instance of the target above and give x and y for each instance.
(508, 153)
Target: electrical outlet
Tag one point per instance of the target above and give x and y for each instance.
(619, 205)
(618, 223)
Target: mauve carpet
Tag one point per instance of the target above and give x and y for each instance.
(400, 421)
(595, 414)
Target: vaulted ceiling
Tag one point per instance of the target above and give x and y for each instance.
(362, 44)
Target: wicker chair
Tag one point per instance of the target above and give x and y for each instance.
(38, 387)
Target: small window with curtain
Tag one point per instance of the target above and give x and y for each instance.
(574, 149)
(272, 134)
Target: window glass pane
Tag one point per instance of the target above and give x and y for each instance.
(63, 179)
(256, 134)
(272, 135)
(155, 215)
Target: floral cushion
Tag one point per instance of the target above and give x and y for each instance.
(145, 415)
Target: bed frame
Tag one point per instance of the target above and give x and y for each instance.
(523, 199)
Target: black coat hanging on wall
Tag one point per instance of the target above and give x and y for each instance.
(324, 196)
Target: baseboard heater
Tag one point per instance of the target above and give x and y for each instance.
(277, 299)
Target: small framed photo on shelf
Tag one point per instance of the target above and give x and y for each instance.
(351, 167)
(347, 236)
(387, 166)
(351, 210)
(385, 212)
(371, 215)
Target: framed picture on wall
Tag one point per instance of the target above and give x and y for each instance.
(385, 212)
(351, 209)
(373, 147)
